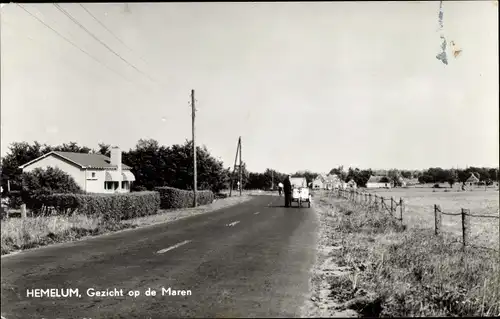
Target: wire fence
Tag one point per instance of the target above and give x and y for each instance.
(397, 207)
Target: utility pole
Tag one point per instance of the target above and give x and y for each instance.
(193, 112)
(238, 152)
(272, 179)
(241, 179)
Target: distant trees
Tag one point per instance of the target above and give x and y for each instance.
(360, 177)
(157, 165)
(340, 172)
(22, 152)
(309, 176)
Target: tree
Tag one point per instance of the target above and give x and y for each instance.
(72, 147)
(308, 175)
(406, 174)
(394, 177)
(493, 172)
(104, 149)
(452, 177)
(385, 179)
(339, 171)
(19, 154)
(45, 182)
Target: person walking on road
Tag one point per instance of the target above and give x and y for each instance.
(280, 188)
(287, 187)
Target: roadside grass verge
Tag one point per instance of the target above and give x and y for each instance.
(20, 234)
(398, 272)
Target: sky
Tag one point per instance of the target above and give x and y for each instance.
(306, 85)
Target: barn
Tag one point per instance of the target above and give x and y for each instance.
(378, 182)
(472, 180)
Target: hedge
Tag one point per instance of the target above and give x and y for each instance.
(107, 206)
(178, 198)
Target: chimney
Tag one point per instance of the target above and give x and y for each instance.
(116, 158)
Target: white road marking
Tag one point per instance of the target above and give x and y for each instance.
(233, 223)
(256, 213)
(173, 247)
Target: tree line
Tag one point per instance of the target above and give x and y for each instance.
(157, 165)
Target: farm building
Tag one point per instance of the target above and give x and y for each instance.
(378, 182)
(332, 181)
(410, 182)
(319, 182)
(94, 173)
(472, 180)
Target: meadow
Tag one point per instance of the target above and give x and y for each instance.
(371, 264)
(420, 210)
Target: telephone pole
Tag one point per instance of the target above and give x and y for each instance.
(238, 152)
(193, 112)
(272, 179)
(241, 180)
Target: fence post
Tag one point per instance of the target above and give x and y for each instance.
(402, 209)
(382, 202)
(392, 205)
(437, 219)
(23, 211)
(366, 198)
(465, 226)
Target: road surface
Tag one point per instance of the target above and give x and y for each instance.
(249, 260)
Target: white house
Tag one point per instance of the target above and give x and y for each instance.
(319, 182)
(332, 181)
(378, 182)
(94, 173)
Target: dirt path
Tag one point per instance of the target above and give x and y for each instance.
(327, 271)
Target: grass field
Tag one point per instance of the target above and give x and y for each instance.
(420, 210)
(373, 265)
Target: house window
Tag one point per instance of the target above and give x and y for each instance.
(125, 185)
(111, 185)
(93, 174)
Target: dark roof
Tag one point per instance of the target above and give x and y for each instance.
(472, 179)
(83, 160)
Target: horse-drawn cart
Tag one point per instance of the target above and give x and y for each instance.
(300, 191)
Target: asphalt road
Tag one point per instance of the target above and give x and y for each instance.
(249, 260)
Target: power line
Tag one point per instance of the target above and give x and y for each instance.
(4, 22)
(73, 44)
(101, 42)
(111, 32)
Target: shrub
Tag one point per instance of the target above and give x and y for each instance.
(139, 188)
(107, 206)
(40, 182)
(178, 198)
(14, 199)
